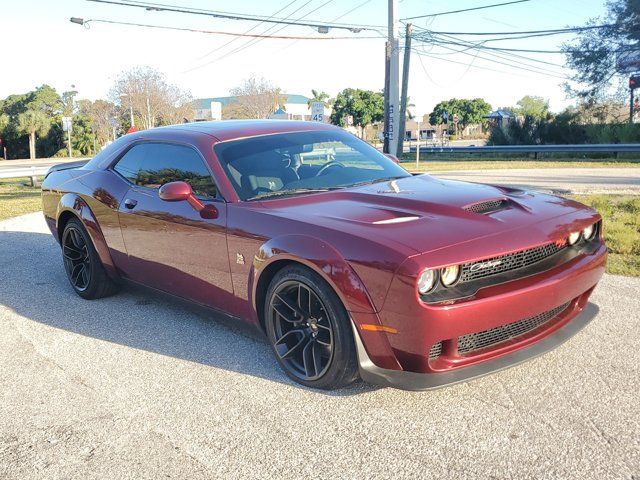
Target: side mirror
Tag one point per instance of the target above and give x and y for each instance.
(175, 191)
(393, 158)
(179, 191)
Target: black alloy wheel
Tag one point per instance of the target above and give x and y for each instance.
(309, 330)
(304, 334)
(77, 263)
(82, 263)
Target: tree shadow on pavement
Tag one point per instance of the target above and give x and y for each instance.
(33, 284)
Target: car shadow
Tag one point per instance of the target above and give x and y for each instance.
(33, 284)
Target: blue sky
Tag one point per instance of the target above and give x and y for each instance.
(49, 49)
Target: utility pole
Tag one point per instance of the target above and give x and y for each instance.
(405, 88)
(418, 148)
(631, 105)
(391, 110)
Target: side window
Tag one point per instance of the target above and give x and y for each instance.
(155, 164)
(129, 165)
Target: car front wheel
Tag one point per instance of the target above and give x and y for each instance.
(309, 330)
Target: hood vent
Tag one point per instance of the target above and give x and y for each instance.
(489, 206)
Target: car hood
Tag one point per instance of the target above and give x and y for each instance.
(420, 214)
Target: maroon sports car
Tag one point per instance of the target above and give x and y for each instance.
(349, 264)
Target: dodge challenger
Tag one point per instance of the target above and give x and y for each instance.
(351, 266)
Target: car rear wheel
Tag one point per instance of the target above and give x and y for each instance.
(309, 330)
(82, 264)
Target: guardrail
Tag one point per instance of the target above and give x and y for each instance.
(32, 172)
(535, 149)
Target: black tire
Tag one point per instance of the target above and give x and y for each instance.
(300, 327)
(82, 263)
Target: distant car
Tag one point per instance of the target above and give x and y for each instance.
(349, 264)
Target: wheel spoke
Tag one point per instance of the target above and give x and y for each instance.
(308, 361)
(292, 350)
(291, 306)
(316, 353)
(285, 315)
(72, 253)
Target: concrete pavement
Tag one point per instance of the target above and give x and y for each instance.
(136, 386)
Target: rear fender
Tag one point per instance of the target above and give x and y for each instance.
(327, 262)
(74, 204)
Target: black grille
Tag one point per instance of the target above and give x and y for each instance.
(435, 351)
(505, 263)
(487, 207)
(487, 338)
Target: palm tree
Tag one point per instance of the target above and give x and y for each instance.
(410, 115)
(30, 123)
(318, 96)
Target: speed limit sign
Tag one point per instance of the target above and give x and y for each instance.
(317, 111)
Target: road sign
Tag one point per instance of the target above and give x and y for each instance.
(628, 62)
(317, 111)
(66, 124)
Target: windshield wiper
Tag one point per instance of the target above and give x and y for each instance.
(293, 191)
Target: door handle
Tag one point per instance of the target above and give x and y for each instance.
(130, 204)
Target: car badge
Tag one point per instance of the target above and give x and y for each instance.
(239, 259)
(482, 265)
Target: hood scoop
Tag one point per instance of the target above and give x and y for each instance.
(489, 206)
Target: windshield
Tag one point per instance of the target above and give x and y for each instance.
(302, 162)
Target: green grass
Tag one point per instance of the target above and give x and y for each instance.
(495, 164)
(621, 223)
(17, 198)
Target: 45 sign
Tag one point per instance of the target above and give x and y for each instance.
(317, 112)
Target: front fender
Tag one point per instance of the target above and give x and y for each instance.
(327, 262)
(319, 257)
(74, 204)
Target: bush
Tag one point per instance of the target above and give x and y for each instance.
(561, 131)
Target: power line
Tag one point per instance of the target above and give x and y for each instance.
(336, 19)
(513, 64)
(250, 43)
(232, 16)
(529, 32)
(247, 31)
(450, 40)
(465, 10)
(216, 32)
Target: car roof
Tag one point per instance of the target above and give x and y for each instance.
(231, 129)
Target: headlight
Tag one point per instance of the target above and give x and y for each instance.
(589, 232)
(573, 238)
(427, 281)
(450, 275)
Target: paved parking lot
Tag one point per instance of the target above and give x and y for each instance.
(136, 386)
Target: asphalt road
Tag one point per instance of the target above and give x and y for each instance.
(557, 180)
(136, 386)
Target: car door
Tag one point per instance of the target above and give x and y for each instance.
(170, 246)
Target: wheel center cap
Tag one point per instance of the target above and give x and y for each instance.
(313, 325)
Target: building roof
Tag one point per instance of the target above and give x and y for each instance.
(204, 103)
(499, 114)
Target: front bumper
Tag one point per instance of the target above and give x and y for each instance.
(407, 380)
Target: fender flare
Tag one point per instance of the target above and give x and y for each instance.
(77, 206)
(327, 262)
(320, 257)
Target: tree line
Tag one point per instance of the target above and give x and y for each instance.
(31, 123)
